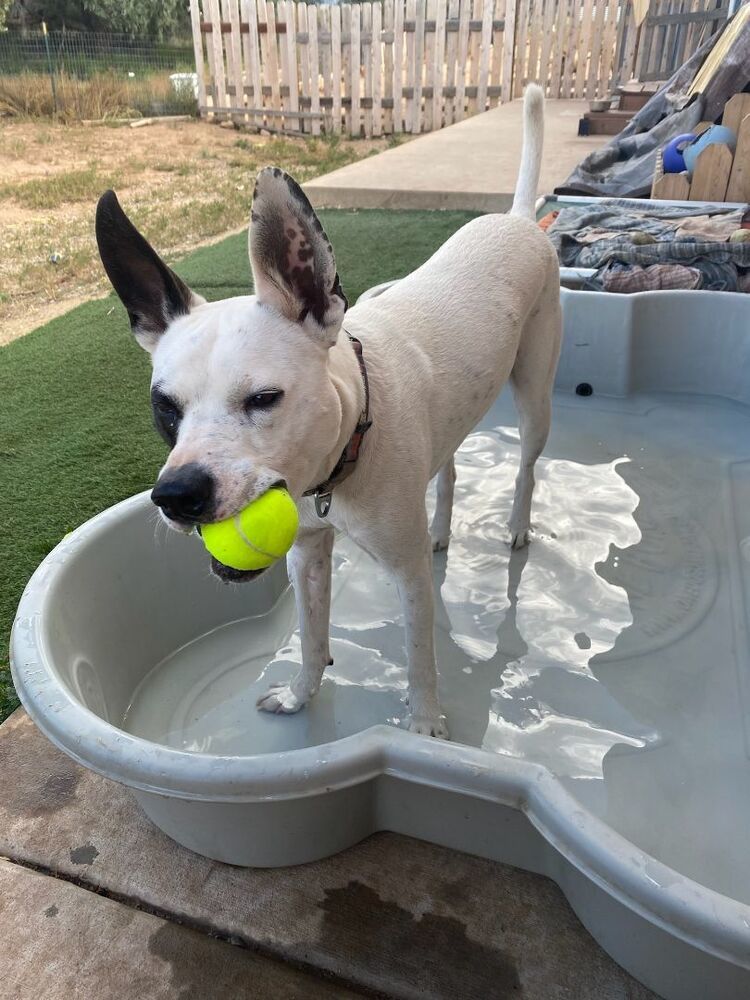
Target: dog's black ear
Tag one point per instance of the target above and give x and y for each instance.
(291, 256)
(152, 293)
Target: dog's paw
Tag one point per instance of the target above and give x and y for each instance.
(440, 544)
(429, 725)
(519, 538)
(281, 699)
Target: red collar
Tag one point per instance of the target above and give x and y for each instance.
(323, 493)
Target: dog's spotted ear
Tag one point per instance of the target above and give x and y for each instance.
(292, 259)
(150, 291)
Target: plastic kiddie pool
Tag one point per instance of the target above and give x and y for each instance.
(596, 684)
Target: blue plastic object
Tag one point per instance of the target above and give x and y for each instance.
(672, 157)
(717, 133)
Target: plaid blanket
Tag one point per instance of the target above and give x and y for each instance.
(631, 278)
(613, 223)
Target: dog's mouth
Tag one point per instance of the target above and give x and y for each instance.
(228, 575)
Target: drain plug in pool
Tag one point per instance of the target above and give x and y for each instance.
(584, 389)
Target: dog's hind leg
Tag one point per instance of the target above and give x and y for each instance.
(531, 380)
(440, 530)
(310, 568)
(403, 547)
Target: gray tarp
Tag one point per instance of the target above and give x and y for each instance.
(624, 168)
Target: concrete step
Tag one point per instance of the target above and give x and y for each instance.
(61, 942)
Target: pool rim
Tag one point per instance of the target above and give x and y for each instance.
(686, 909)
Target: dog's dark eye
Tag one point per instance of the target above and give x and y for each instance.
(263, 400)
(167, 416)
(167, 412)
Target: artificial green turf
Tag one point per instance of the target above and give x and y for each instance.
(75, 425)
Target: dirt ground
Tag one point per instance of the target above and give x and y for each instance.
(184, 184)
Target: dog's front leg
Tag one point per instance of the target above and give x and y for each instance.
(310, 568)
(414, 581)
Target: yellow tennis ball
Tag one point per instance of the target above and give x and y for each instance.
(256, 537)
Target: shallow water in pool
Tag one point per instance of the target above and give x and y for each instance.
(613, 649)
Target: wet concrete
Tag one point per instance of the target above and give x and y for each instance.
(393, 915)
(84, 946)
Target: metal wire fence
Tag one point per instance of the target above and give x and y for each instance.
(94, 75)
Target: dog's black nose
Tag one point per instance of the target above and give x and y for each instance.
(185, 494)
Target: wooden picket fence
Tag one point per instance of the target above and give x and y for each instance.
(393, 66)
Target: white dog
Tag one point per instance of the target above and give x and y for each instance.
(269, 388)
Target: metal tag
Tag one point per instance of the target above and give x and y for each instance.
(323, 503)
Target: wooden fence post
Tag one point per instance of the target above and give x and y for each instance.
(377, 70)
(200, 66)
(356, 63)
(416, 125)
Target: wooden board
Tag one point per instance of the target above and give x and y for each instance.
(355, 56)
(291, 47)
(235, 58)
(195, 21)
(366, 41)
(438, 64)
(451, 50)
(474, 43)
(672, 187)
(410, 77)
(300, 9)
(429, 48)
(377, 71)
(279, 16)
(738, 188)
(536, 14)
(582, 49)
(398, 66)
(711, 174)
(609, 42)
(346, 61)
(463, 55)
(388, 46)
(273, 53)
(592, 80)
(251, 57)
(496, 64)
(485, 51)
(520, 48)
(562, 27)
(548, 37)
(312, 28)
(632, 39)
(509, 47)
(416, 124)
(220, 90)
(336, 75)
(735, 110)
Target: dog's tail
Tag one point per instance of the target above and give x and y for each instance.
(524, 201)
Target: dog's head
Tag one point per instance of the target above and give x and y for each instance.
(241, 389)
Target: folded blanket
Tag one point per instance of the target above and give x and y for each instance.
(617, 233)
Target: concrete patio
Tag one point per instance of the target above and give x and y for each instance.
(97, 902)
(472, 165)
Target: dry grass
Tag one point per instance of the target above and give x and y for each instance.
(103, 95)
(182, 183)
(50, 192)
